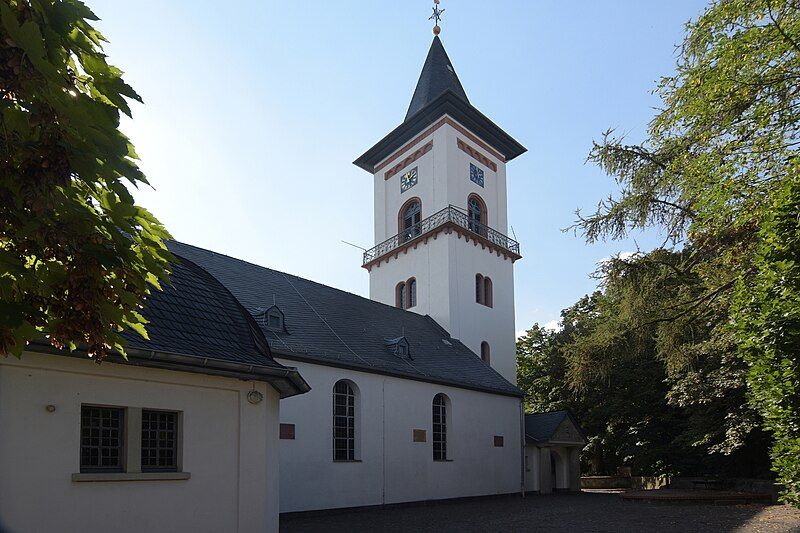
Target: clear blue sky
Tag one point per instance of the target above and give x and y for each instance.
(254, 112)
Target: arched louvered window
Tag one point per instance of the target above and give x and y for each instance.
(487, 292)
(344, 421)
(410, 218)
(440, 425)
(479, 289)
(411, 289)
(485, 353)
(476, 214)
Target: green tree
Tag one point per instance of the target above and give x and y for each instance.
(708, 174)
(77, 256)
(767, 315)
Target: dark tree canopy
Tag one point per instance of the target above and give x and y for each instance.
(77, 255)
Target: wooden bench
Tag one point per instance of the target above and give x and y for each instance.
(709, 483)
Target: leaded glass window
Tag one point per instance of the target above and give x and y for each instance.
(439, 428)
(159, 441)
(102, 439)
(344, 422)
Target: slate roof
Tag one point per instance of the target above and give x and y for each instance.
(328, 326)
(438, 93)
(437, 76)
(540, 427)
(196, 316)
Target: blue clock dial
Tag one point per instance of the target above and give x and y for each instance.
(476, 174)
(408, 180)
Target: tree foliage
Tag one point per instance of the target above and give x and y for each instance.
(716, 160)
(767, 316)
(77, 255)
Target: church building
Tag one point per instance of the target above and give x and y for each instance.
(259, 392)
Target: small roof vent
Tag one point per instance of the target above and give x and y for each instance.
(399, 346)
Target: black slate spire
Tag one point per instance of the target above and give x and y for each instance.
(437, 77)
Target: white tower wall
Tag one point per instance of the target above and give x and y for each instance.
(445, 263)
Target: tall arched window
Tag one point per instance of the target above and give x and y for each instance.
(400, 295)
(485, 353)
(476, 214)
(344, 421)
(410, 217)
(440, 420)
(411, 289)
(479, 288)
(487, 292)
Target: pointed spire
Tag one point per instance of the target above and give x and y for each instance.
(438, 76)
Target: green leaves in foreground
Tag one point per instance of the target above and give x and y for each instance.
(77, 255)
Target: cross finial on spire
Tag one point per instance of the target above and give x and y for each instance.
(436, 17)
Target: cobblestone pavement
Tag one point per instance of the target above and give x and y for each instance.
(562, 512)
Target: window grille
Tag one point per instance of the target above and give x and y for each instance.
(344, 422)
(159, 441)
(102, 439)
(439, 428)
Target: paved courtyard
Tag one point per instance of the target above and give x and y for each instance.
(563, 512)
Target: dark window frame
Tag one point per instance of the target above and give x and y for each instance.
(439, 427)
(111, 444)
(344, 421)
(162, 445)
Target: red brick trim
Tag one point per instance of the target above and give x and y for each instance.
(438, 124)
(479, 157)
(408, 160)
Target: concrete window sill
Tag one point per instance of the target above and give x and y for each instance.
(130, 476)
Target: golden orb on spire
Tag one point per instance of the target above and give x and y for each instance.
(436, 30)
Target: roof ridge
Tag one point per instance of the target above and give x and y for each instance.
(396, 309)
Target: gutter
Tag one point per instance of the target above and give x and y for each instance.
(286, 380)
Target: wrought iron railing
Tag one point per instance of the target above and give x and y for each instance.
(449, 214)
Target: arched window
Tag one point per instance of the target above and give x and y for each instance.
(410, 217)
(440, 422)
(485, 353)
(476, 214)
(411, 289)
(400, 295)
(484, 292)
(344, 421)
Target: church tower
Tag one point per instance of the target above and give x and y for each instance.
(441, 219)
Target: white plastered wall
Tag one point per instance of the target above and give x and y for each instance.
(392, 468)
(229, 448)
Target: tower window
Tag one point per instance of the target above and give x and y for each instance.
(400, 295)
(476, 214)
(485, 352)
(411, 288)
(405, 294)
(410, 217)
(484, 293)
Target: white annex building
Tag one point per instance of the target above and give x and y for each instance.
(259, 392)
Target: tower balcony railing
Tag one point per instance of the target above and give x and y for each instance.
(449, 216)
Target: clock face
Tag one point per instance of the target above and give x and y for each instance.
(408, 180)
(476, 174)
